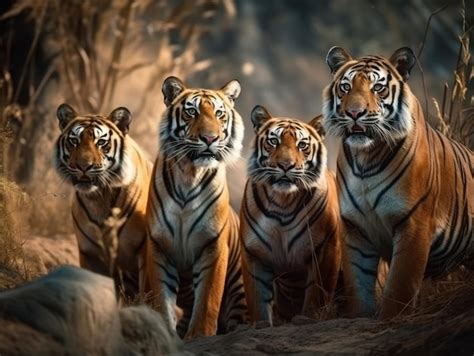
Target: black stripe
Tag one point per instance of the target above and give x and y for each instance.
(172, 289)
(346, 189)
(362, 253)
(392, 183)
(210, 241)
(168, 224)
(170, 188)
(364, 270)
(90, 239)
(86, 211)
(168, 274)
(267, 285)
(251, 222)
(208, 206)
(311, 221)
(410, 212)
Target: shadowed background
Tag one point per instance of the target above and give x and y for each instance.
(97, 55)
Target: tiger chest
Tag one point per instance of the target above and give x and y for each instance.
(95, 237)
(284, 248)
(372, 206)
(192, 230)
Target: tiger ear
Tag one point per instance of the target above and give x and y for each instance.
(403, 59)
(259, 116)
(232, 90)
(336, 57)
(317, 124)
(122, 118)
(65, 114)
(171, 88)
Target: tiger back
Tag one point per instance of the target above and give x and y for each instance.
(107, 170)
(193, 231)
(290, 229)
(406, 190)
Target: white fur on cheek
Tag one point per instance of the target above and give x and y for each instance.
(128, 170)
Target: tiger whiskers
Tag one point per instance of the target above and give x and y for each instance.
(230, 157)
(337, 125)
(263, 174)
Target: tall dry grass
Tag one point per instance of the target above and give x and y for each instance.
(13, 202)
(455, 112)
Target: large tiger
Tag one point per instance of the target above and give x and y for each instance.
(290, 229)
(108, 170)
(192, 228)
(406, 191)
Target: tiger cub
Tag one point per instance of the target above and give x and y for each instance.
(108, 170)
(192, 228)
(289, 220)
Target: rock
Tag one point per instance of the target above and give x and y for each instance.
(78, 312)
(42, 254)
(75, 307)
(146, 333)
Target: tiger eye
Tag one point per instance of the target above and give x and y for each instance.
(345, 87)
(378, 87)
(272, 142)
(190, 112)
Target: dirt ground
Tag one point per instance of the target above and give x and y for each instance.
(442, 335)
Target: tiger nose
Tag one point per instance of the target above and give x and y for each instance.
(355, 113)
(84, 164)
(286, 165)
(208, 138)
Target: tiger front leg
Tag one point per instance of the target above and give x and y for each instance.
(92, 262)
(144, 274)
(209, 275)
(164, 285)
(322, 277)
(258, 285)
(407, 268)
(360, 263)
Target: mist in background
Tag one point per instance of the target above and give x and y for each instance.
(98, 55)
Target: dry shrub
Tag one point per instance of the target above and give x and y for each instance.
(13, 207)
(12, 232)
(455, 113)
(450, 295)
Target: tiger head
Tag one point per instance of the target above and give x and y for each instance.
(201, 124)
(90, 152)
(368, 100)
(287, 154)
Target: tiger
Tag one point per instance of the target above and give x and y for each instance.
(192, 229)
(290, 231)
(108, 170)
(406, 190)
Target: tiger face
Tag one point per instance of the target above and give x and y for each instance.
(90, 151)
(367, 100)
(201, 124)
(288, 154)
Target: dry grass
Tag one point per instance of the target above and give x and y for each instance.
(455, 112)
(12, 234)
(12, 201)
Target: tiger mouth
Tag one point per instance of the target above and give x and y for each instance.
(83, 181)
(283, 181)
(356, 129)
(204, 154)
